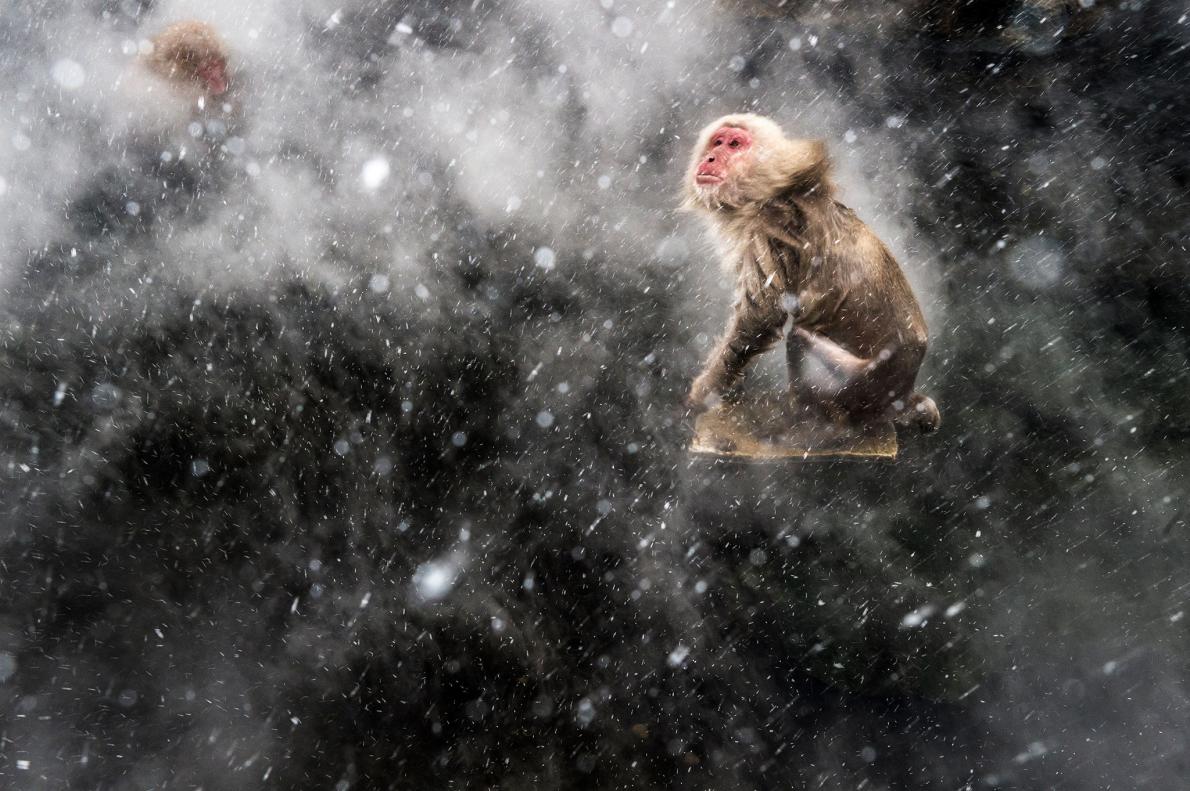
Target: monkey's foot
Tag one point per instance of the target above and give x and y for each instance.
(764, 428)
(920, 413)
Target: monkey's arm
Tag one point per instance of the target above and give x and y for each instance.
(754, 327)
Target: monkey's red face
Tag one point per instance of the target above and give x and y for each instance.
(728, 150)
(213, 73)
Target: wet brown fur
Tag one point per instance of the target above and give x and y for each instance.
(795, 251)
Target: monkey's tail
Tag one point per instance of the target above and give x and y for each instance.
(920, 414)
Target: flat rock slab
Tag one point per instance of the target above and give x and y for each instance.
(759, 429)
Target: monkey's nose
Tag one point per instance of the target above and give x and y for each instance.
(710, 159)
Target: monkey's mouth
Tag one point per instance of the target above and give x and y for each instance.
(707, 179)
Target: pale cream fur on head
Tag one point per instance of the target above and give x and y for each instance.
(777, 164)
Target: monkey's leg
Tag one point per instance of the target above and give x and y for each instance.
(753, 329)
(821, 369)
(865, 388)
(842, 385)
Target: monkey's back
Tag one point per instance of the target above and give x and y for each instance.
(848, 285)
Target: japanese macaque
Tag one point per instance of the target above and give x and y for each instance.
(806, 269)
(192, 58)
(184, 76)
(171, 117)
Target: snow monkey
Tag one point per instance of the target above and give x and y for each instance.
(808, 269)
(191, 56)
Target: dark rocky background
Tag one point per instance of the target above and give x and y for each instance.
(340, 447)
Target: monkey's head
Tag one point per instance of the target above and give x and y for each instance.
(191, 54)
(745, 159)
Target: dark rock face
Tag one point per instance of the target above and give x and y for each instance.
(373, 488)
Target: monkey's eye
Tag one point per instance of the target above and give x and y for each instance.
(735, 143)
(718, 142)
